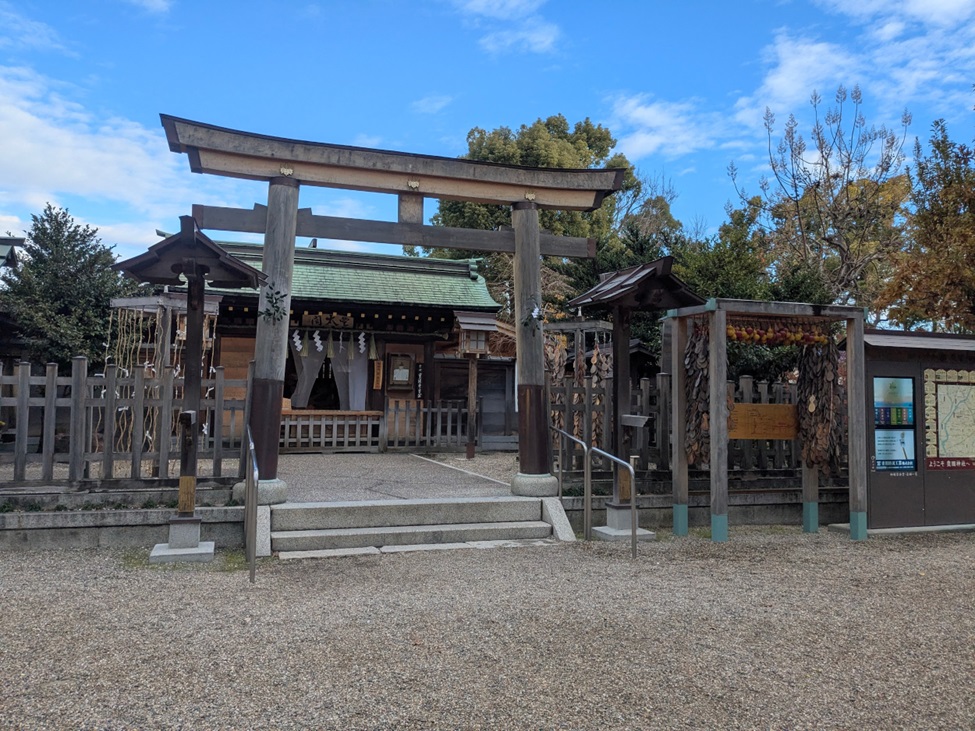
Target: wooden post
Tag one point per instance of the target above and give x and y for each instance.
(678, 419)
(79, 377)
(108, 422)
(718, 419)
(189, 434)
(857, 437)
(49, 420)
(137, 405)
(271, 352)
(621, 390)
(165, 426)
(471, 403)
(23, 421)
(534, 450)
(810, 499)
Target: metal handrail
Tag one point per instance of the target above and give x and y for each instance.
(633, 521)
(250, 504)
(586, 480)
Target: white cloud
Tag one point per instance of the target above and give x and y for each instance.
(534, 34)
(152, 6)
(656, 127)
(431, 104)
(798, 67)
(499, 9)
(18, 32)
(510, 25)
(927, 12)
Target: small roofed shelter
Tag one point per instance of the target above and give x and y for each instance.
(703, 419)
(644, 287)
(192, 257)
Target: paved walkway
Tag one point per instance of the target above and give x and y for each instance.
(342, 477)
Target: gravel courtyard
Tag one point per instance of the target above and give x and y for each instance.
(774, 630)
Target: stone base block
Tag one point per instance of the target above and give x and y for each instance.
(605, 533)
(269, 492)
(184, 532)
(162, 553)
(535, 485)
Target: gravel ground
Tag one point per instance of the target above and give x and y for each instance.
(774, 630)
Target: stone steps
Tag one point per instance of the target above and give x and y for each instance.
(308, 530)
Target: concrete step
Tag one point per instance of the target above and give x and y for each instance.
(415, 548)
(341, 538)
(388, 513)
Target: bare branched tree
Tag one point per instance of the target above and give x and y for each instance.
(833, 204)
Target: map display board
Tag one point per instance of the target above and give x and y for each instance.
(893, 420)
(949, 419)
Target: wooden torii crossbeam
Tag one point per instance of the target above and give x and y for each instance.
(288, 164)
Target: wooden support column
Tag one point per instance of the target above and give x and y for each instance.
(621, 391)
(191, 419)
(534, 452)
(271, 352)
(810, 499)
(857, 437)
(471, 403)
(678, 438)
(718, 421)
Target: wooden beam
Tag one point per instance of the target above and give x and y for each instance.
(386, 232)
(770, 309)
(235, 153)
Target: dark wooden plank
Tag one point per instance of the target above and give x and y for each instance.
(23, 421)
(387, 232)
(79, 377)
(49, 420)
(138, 405)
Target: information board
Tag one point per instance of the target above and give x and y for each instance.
(893, 410)
(762, 421)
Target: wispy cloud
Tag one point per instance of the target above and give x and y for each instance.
(18, 32)
(797, 66)
(511, 25)
(152, 6)
(658, 127)
(499, 9)
(431, 104)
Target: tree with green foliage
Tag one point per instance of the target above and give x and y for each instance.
(934, 280)
(549, 143)
(833, 206)
(59, 294)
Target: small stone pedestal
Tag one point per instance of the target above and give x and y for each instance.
(619, 524)
(269, 492)
(535, 485)
(184, 543)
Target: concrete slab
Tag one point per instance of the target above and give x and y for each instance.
(957, 528)
(329, 553)
(162, 553)
(263, 547)
(424, 547)
(616, 535)
(554, 514)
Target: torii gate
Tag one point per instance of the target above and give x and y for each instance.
(287, 164)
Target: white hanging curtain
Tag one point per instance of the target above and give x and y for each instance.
(350, 380)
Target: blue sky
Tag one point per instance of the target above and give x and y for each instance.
(682, 85)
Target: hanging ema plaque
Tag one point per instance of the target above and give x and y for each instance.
(949, 419)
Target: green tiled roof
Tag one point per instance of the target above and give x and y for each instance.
(343, 277)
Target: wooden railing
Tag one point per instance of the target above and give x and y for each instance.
(112, 425)
(586, 412)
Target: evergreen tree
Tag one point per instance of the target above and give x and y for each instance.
(60, 292)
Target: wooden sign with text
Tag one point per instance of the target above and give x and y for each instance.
(763, 421)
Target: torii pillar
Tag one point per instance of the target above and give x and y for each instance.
(273, 320)
(534, 476)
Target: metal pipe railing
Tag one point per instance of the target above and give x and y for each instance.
(586, 480)
(250, 504)
(629, 467)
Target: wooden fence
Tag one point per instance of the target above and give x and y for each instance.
(112, 425)
(586, 411)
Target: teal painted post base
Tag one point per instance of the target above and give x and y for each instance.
(719, 528)
(810, 517)
(680, 520)
(858, 526)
